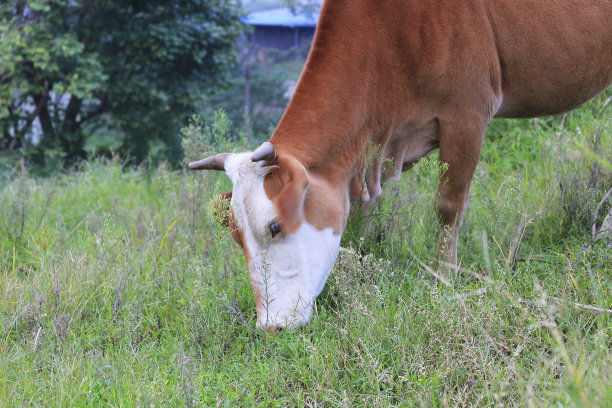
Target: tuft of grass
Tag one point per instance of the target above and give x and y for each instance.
(117, 287)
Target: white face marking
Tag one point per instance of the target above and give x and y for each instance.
(290, 270)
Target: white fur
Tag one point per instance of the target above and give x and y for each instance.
(290, 270)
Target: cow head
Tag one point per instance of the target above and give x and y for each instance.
(289, 250)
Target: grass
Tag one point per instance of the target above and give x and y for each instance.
(117, 289)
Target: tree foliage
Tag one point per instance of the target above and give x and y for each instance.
(269, 73)
(93, 75)
(308, 7)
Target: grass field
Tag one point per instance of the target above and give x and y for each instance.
(118, 290)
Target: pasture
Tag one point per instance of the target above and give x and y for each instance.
(117, 288)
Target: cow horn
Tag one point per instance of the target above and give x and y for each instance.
(265, 152)
(216, 162)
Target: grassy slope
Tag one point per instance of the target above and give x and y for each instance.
(117, 290)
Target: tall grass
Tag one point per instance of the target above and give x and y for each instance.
(118, 289)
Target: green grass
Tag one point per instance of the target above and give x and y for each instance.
(116, 289)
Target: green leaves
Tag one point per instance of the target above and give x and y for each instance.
(143, 65)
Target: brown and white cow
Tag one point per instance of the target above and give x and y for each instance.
(395, 79)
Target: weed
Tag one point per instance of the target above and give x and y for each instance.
(117, 288)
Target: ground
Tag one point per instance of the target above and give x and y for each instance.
(118, 289)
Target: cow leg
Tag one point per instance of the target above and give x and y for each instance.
(460, 144)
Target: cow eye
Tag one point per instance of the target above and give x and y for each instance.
(275, 228)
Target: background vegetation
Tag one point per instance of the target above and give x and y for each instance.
(117, 289)
(82, 78)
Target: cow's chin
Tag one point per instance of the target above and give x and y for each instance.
(289, 319)
(288, 299)
(289, 275)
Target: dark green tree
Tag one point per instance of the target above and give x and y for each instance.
(95, 75)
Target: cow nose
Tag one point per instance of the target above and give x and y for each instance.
(276, 329)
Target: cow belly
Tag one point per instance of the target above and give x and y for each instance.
(553, 55)
(407, 146)
(541, 99)
(398, 150)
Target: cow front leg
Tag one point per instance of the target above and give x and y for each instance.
(460, 144)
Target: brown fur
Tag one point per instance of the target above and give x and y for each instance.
(286, 186)
(298, 196)
(398, 78)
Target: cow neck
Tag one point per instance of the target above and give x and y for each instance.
(328, 125)
(338, 122)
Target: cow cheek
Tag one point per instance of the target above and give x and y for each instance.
(239, 238)
(230, 222)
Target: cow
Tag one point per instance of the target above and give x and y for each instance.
(392, 80)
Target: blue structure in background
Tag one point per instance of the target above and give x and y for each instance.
(281, 28)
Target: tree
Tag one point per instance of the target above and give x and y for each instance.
(108, 74)
(308, 7)
(257, 106)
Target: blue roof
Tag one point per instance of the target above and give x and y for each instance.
(281, 17)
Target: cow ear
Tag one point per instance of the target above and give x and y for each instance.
(221, 209)
(289, 202)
